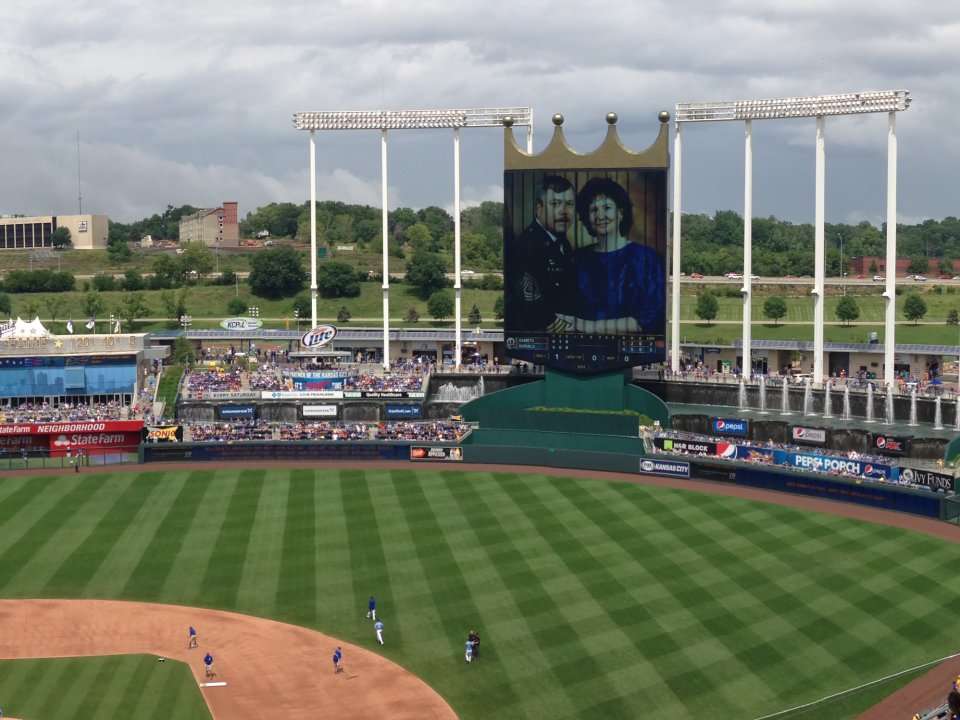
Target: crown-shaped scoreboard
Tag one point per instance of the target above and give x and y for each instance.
(585, 245)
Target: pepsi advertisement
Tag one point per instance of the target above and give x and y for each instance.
(839, 465)
(730, 426)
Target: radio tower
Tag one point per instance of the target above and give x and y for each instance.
(79, 192)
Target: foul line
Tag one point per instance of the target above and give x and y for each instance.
(213, 684)
(858, 687)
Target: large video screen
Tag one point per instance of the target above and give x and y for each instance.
(585, 268)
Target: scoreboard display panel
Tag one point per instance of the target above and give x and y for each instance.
(585, 267)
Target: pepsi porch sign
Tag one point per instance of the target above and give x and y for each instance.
(810, 436)
(319, 336)
(731, 426)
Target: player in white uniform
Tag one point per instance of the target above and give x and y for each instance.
(378, 626)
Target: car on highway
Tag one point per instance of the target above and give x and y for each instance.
(920, 278)
(878, 278)
(754, 277)
(696, 276)
(733, 276)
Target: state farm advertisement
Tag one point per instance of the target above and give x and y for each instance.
(93, 443)
(85, 426)
(94, 437)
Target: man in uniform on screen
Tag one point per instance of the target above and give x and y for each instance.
(540, 266)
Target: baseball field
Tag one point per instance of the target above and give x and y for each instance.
(593, 599)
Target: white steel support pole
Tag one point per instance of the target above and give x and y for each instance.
(819, 254)
(457, 289)
(890, 292)
(313, 231)
(675, 286)
(747, 369)
(386, 261)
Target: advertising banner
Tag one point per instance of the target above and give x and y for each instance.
(233, 412)
(328, 411)
(166, 433)
(318, 336)
(93, 443)
(669, 468)
(748, 453)
(404, 412)
(845, 466)
(241, 323)
(446, 453)
(225, 395)
(318, 383)
(890, 445)
(809, 436)
(927, 478)
(730, 426)
(302, 395)
(691, 447)
(383, 394)
(93, 426)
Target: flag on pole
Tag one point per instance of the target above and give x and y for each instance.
(116, 325)
(91, 324)
(70, 326)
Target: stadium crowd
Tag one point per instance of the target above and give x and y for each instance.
(63, 412)
(200, 381)
(438, 431)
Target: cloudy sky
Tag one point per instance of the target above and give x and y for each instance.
(191, 102)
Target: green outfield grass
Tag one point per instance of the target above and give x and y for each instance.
(118, 686)
(593, 599)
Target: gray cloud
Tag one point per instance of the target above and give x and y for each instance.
(194, 104)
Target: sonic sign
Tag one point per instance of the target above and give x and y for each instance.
(318, 337)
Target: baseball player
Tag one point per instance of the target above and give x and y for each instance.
(208, 664)
(337, 660)
(192, 635)
(378, 626)
(468, 651)
(372, 608)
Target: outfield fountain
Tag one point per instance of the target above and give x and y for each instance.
(827, 401)
(785, 398)
(937, 414)
(888, 407)
(869, 402)
(846, 402)
(913, 407)
(742, 396)
(763, 394)
(807, 398)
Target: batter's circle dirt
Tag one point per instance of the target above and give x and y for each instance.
(304, 687)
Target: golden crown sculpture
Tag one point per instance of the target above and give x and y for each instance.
(611, 154)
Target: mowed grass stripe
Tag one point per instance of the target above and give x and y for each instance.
(369, 566)
(453, 598)
(83, 562)
(148, 577)
(73, 495)
(20, 509)
(70, 691)
(296, 593)
(221, 581)
(585, 670)
(107, 668)
(261, 571)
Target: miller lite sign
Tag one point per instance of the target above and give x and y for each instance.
(319, 336)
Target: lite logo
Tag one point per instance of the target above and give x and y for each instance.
(319, 336)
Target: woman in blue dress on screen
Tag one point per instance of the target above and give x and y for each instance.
(620, 282)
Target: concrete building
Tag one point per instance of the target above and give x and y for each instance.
(87, 232)
(212, 226)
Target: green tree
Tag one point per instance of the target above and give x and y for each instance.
(118, 251)
(104, 282)
(498, 307)
(707, 307)
(426, 273)
(847, 309)
(337, 279)
(775, 308)
(953, 317)
(237, 306)
(874, 268)
(60, 238)
(6, 306)
(182, 352)
(93, 305)
(132, 281)
(31, 309)
(276, 273)
(914, 308)
(167, 271)
(412, 315)
(945, 267)
(474, 318)
(302, 304)
(343, 314)
(420, 239)
(132, 307)
(918, 264)
(440, 305)
(54, 305)
(197, 258)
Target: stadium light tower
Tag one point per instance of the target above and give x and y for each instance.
(819, 107)
(384, 120)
